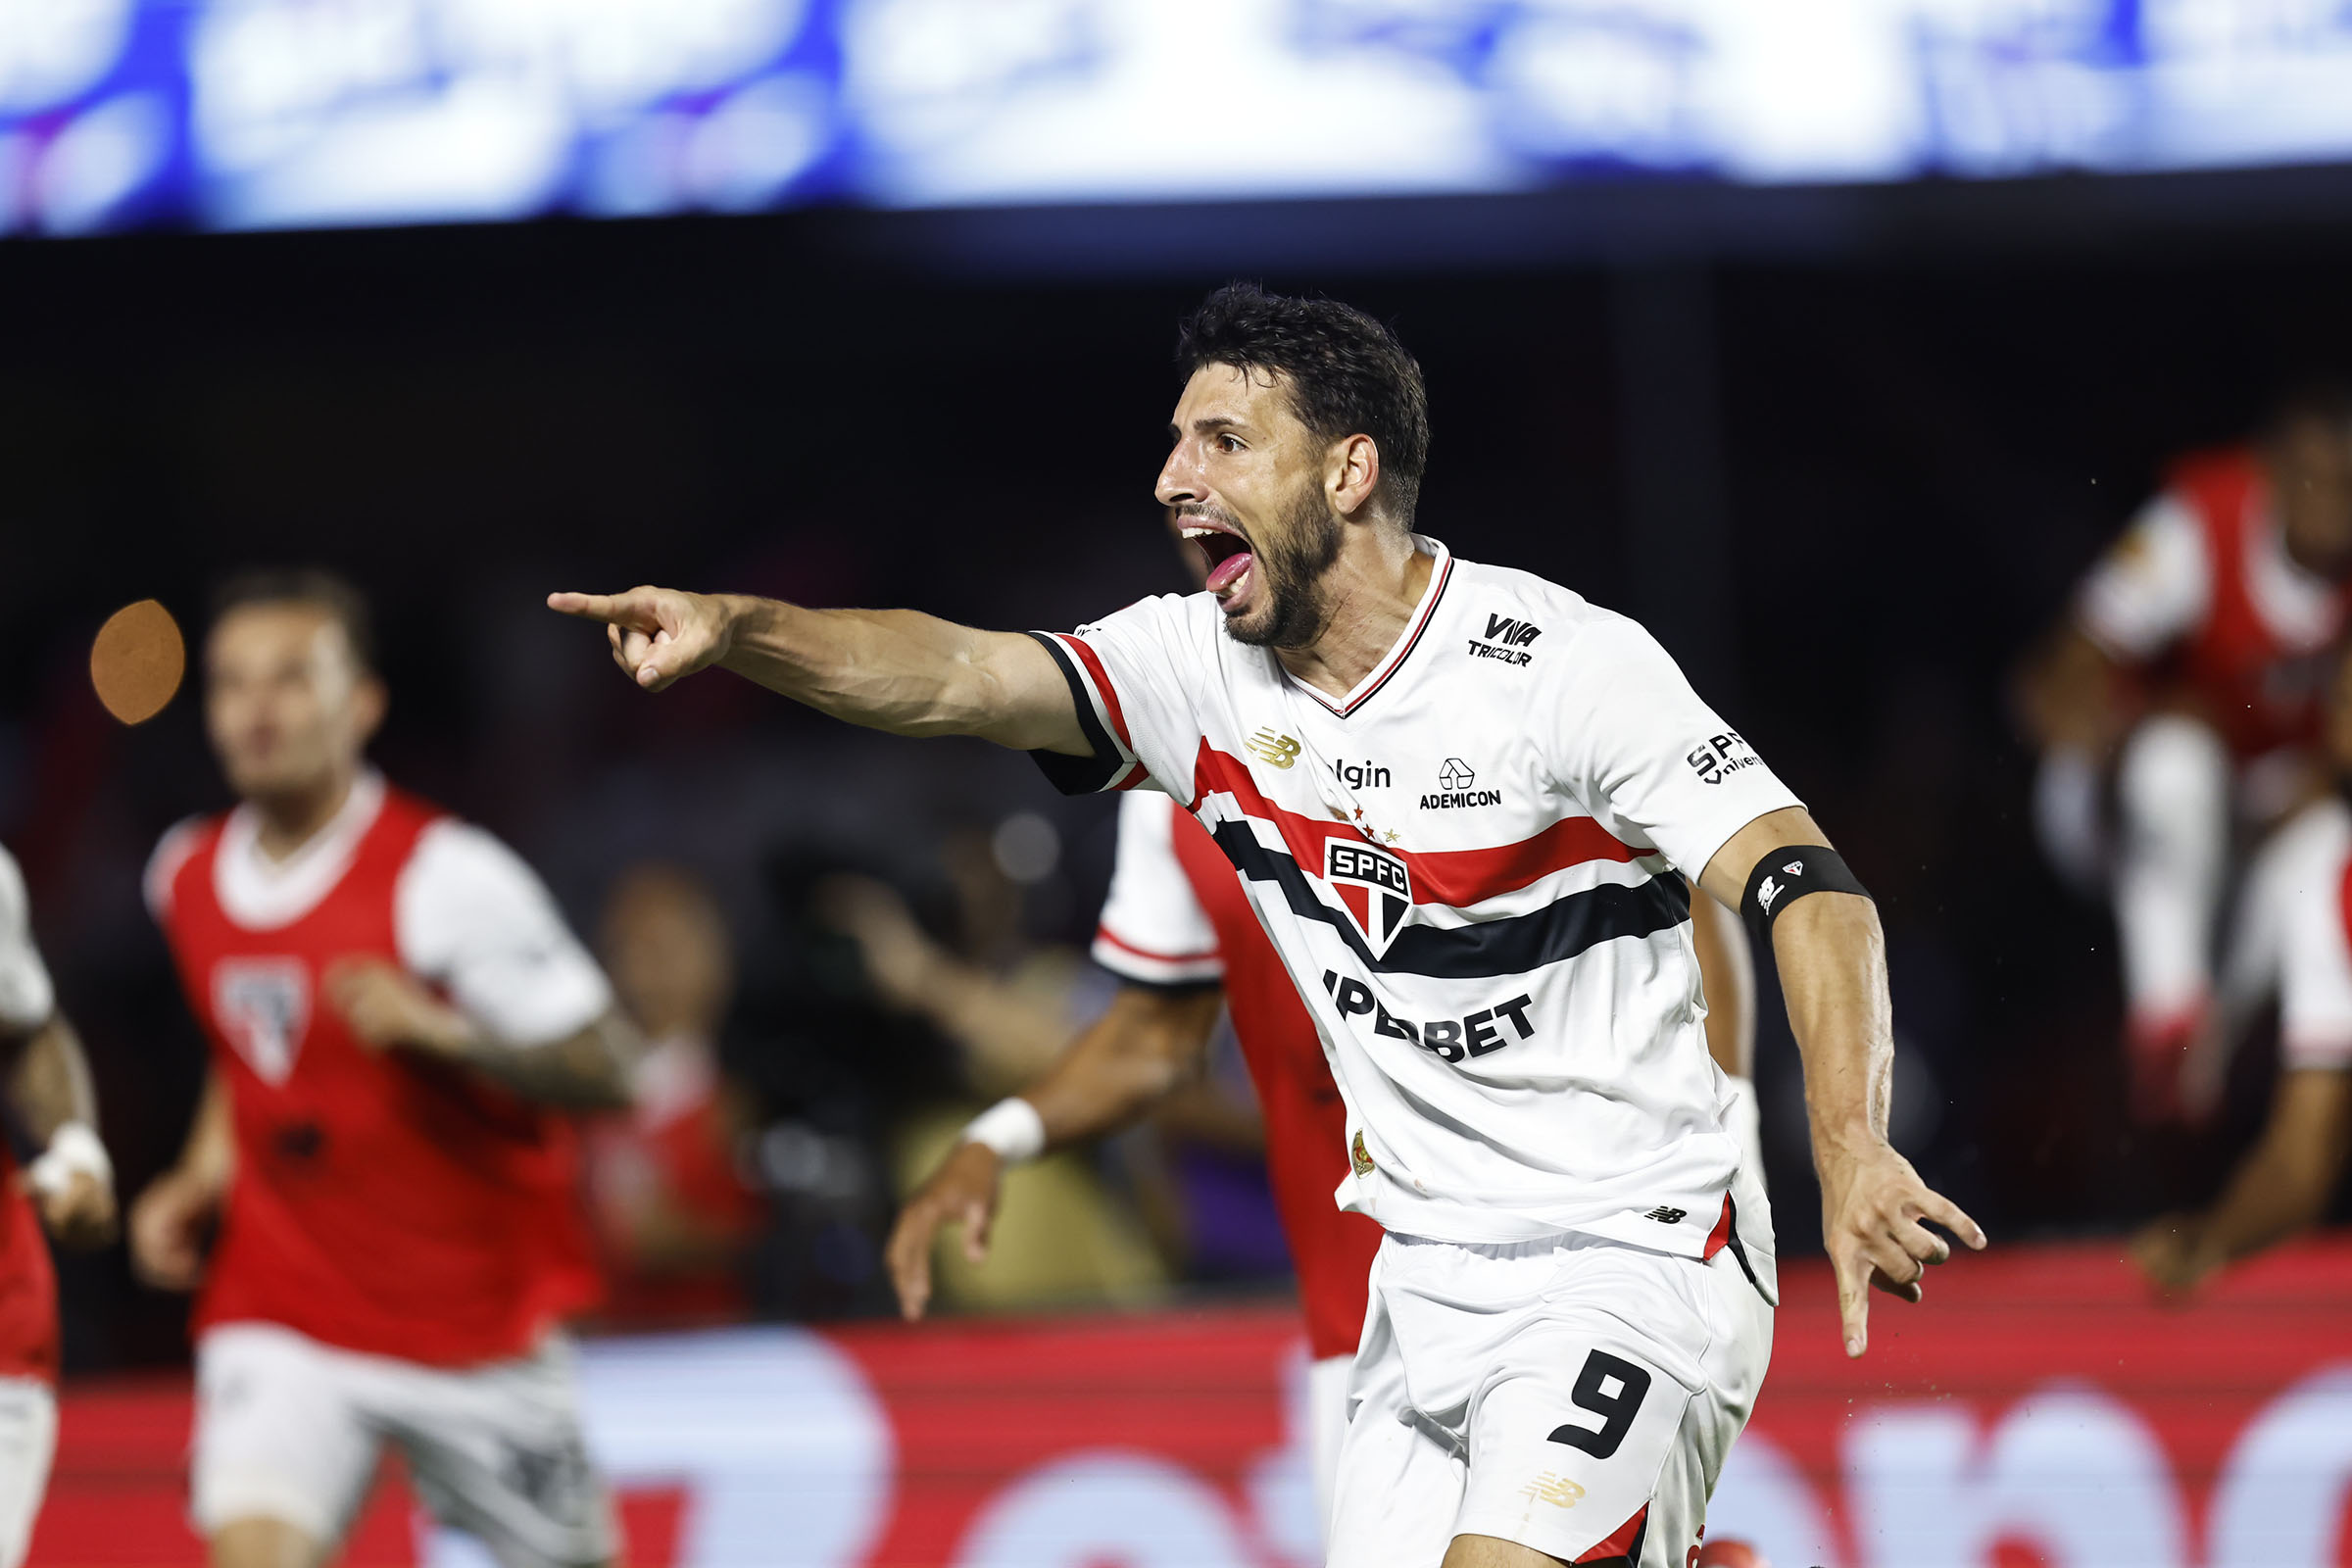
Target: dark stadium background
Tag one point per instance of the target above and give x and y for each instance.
(1907, 423)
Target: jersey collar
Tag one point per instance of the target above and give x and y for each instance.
(1406, 641)
(259, 894)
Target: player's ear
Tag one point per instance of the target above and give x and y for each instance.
(370, 701)
(1351, 473)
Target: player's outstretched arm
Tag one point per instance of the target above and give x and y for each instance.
(890, 670)
(1831, 957)
(1146, 1043)
(2283, 1187)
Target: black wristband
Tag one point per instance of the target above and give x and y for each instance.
(1787, 875)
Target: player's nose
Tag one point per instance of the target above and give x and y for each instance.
(1179, 480)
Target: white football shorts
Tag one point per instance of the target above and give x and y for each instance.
(288, 1428)
(27, 1443)
(1573, 1395)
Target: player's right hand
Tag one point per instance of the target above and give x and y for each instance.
(659, 635)
(167, 1230)
(962, 1192)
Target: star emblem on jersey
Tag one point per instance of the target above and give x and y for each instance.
(1275, 751)
(1373, 884)
(1456, 774)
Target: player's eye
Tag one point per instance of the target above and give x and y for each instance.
(1229, 442)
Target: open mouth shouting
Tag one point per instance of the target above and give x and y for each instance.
(1228, 556)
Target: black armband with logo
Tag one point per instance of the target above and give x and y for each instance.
(1787, 875)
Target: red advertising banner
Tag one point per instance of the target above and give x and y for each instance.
(2040, 1411)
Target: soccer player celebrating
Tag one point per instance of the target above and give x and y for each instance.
(2295, 941)
(395, 1010)
(1457, 796)
(73, 1188)
(2193, 656)
(1180, 933)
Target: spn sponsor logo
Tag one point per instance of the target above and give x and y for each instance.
(1719, 756)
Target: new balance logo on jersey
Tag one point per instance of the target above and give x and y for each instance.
(1668, 1216)
(262, 1005)
(1506, 639)
(1719, 756)
(1447, 1039)
(1372, 884)
(1275, 751)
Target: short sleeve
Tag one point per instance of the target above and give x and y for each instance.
(2150, 588)
(171, 851)
(472, 918)
(2314, 972)
(27, 997)
(1649, 759)
(1153, 930)
(1135, 677)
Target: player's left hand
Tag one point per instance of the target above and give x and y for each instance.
(81, 1211)
(386, 1006)
(2173, 1252)
(1875, 1212)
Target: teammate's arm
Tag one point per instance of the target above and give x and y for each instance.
(168, 1223)
(1150, 1040)
(2283, 1187)
(389, 1009)
(72, 1180)
(48, 1083)
(1831, 957)
(889, 670)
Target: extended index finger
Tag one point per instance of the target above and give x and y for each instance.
(614, 610)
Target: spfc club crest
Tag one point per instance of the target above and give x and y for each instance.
(1373, 884)
(263, 1007)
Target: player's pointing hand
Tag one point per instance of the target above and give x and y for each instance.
(657, 634)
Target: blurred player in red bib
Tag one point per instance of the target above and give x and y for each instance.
(2292, 942)
(70, 1187)
(2194, 659)
(396, 1010)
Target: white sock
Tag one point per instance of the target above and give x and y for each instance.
(2172, 796)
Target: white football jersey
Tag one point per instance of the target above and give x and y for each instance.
(1467, 864)
(27, 997)
(1154, 929)
(2295, 937)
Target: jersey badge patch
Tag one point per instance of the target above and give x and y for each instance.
(1360, 1156)
(263, 1007)
(1374, 886)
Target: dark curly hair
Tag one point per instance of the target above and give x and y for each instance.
(1347, 373)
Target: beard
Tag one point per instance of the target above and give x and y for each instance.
(1290, 567)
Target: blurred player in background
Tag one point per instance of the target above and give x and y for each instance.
(2190, 666)
(70, 1184)
(2293, 939)
(395, 1010)
(1179, 933)
(672, 1207)
(1469, 850)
